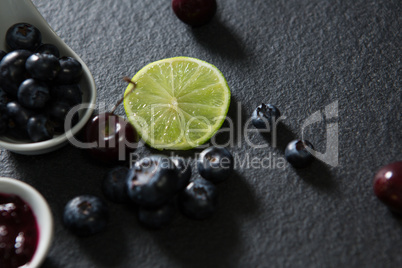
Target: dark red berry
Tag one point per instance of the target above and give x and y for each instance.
(18, 231)
(194, 12)
(388, 186)
(112, 138)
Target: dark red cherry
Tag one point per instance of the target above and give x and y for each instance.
(388, 186)
(112, 138)
(194, 12)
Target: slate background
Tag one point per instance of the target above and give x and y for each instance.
(299, 55)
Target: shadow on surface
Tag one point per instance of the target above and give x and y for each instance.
(219, 39)
(284, 135)
(50, 263)
(396, 216)
(319, 176)
(215, 241)
(108, 248)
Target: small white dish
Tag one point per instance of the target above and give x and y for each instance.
(15, 11)
(41, 211)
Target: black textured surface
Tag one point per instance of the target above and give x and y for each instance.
(300, 56)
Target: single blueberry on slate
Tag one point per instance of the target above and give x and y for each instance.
(297, 154)
(85, 215)
(265, 115)
(215, 164)
(199, 199)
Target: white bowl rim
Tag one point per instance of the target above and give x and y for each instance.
(38, 205)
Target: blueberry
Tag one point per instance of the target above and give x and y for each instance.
(33, 94)
(44, 67)
(114, 185)
(297, 154)
(40, 128)
(48, 49)
(159, 217)
(18, 114)
(23, 36)
(265, 115)
(85, 215)
(152, 181)
(70, 94)
(3, 122)
(70, 72)
(2, 54)
(12, 71)
(17, 133)
(58, 111)
(215, 164)
(199, 199)
(4, 99)
(183, 172)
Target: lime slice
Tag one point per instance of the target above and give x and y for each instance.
(178, 103)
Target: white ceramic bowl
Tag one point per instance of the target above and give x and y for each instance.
(41, 211)
(14, 11)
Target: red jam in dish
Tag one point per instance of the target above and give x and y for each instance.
(19, 233)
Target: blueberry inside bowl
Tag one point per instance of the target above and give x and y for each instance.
(36, 103)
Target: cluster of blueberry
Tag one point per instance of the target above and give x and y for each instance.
(265, 116)
(37, 87)
(154, 184)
